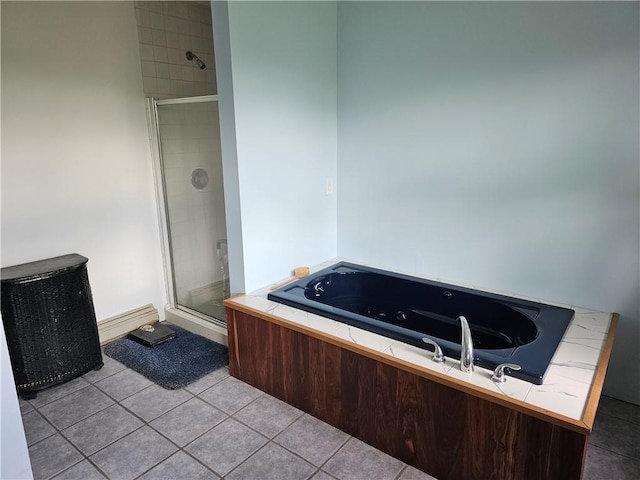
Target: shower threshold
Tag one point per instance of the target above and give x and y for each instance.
(208, 327)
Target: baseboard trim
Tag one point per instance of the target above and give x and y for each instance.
(118, 326)
(196, 325)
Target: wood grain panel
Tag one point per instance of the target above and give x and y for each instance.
(445, 432)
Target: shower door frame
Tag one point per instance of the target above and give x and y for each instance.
(162, 205)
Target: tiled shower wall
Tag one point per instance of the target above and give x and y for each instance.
(190, 140)
(166, 31)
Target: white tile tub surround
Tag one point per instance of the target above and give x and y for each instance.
(567, 382)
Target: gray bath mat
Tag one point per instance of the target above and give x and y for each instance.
(173, 364)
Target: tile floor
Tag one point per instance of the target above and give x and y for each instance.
(116, 424)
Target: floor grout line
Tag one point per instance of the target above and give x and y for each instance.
(615, 452)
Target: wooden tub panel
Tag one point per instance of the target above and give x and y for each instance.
(443, 431)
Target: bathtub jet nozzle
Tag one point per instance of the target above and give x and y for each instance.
(192, 56)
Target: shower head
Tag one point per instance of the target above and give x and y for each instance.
(192, 56)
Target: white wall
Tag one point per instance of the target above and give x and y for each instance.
(76, 164)
(497, 144)
(283, 68)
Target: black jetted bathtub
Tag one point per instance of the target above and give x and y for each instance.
(503, 329)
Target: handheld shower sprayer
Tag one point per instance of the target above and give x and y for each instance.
(192, 56)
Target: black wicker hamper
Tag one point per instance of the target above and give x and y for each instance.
(49, 322)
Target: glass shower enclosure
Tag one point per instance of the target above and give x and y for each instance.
(191, 197)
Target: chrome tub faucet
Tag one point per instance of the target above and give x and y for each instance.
(500, 373)
(466, 346)
(438, 356)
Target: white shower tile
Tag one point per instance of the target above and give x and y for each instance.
(146, 52)
(148, 68)
(157, 20)
(203, 88)
(207, 31)
(176, 57)
(160, 54)
(167, 131)
(159, 37)
(182, 10)
(170, 8)
(143, 17)
(195, 12)
(155, 6)
(188, 88)
(175, 71)
(171, 24)
(176, 85)
(173, 40)
(183, 28)
(177, 189)
(162, 70)
(149, 84)
(206, 18)
(145, 35)
(164, 85)
(187, 74)
(171, 154)
(194, 28)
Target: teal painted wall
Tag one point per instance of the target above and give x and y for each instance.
(283, 66)
(497, 144)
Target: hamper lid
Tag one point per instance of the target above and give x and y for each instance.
(37, 270)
